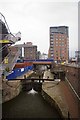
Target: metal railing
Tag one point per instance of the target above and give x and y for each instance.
(4, 20)
(11, 62)
(10, 38)
(5, 41)
(13, 37)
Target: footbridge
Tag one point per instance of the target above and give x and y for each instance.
(22, 67)
(38, 61)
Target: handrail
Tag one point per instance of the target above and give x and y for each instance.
(2, 48)
(5, 22)
(9, 29)
(32, 79)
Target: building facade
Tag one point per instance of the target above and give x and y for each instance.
(59, 43)
(30, 51)
(77, 55)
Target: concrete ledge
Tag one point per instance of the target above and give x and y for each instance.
(10, 89)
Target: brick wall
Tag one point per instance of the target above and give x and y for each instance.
(73, 75)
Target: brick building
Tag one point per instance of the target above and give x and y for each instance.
(27, 50)
(30, 51)
(59, 43)
(13, 50)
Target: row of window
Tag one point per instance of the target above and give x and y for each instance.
(58, 57)
(61, 39)
(61, 49)
(58, 53)
(58, 45)
(58, 35)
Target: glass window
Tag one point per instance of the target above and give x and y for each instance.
(51, 42)
(51, 54)
(51, 48)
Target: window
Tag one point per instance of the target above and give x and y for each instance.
(51, 54)
(51, 49)
(51, 36)
(56, 38)
(51, 40)
(57, 58)
(51, 43)
(56, 44)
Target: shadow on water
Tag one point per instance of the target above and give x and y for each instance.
(28, 105)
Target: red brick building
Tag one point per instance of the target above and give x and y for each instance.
(30, 51)
(27, 50)
(59, 43)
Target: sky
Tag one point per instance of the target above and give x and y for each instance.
(33, 18)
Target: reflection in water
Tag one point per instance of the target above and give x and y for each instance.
(29, 105)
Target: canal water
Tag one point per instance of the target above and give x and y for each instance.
(29, 105)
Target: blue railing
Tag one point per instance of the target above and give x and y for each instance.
(18, 72)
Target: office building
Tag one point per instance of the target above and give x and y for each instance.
(59, 43)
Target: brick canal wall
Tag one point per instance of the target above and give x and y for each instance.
(56, 93)
(73, 76)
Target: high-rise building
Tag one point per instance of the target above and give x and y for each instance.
(59, 43)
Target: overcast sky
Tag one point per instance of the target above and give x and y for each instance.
(34, 17)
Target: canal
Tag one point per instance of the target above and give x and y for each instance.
(29, 105)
